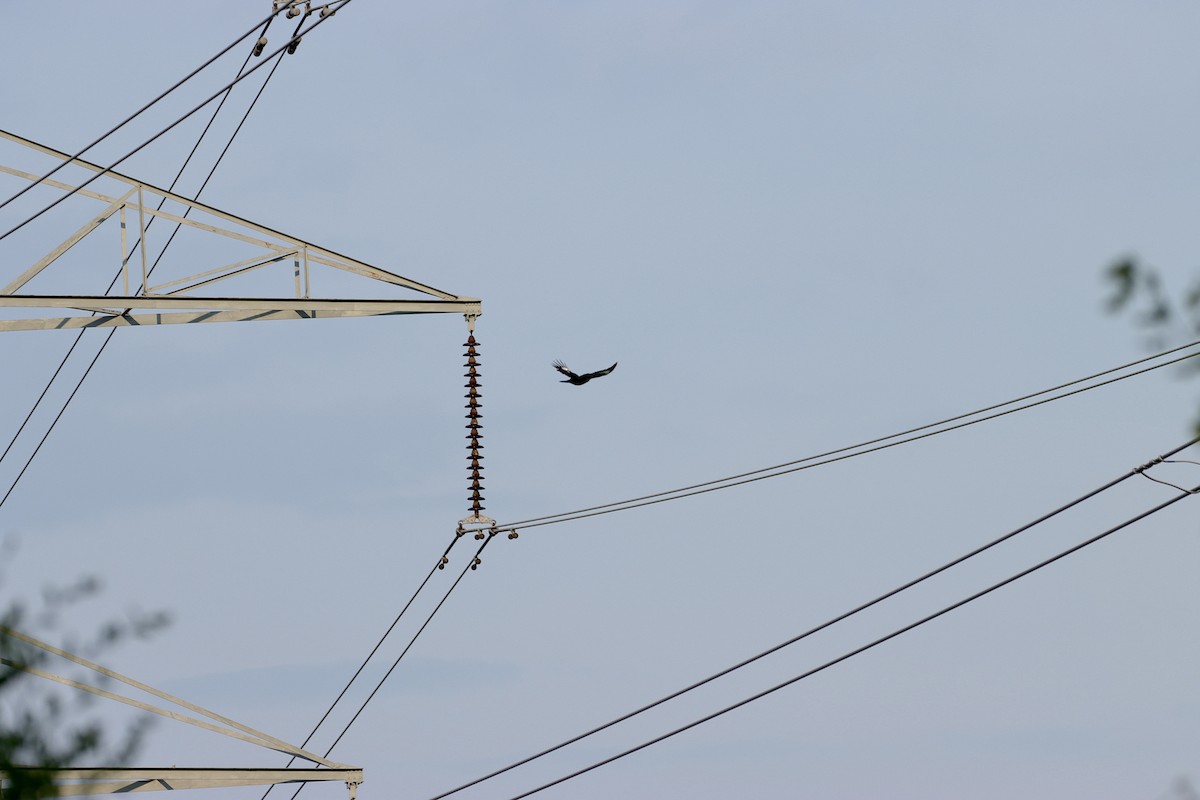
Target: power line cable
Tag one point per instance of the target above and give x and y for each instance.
(440, 563)
(472, 564)
(787, 468)
(153, 266)
(32, 455)
(294, 40)
(846, 656)
(42, 396)
(526, 522)
(264, 23)
(827, 624)
(178, 175)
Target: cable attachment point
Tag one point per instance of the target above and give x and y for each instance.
(1160, 460)
(487, 534)
(475, 562)
(258, 46)
(512, 534)
(445, 560)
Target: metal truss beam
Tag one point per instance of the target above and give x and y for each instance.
(71, 781)
(101, 780)
(179, 304)
(178, 309)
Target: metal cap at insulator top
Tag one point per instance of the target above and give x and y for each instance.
(473, 414)
(471, 384)
(471, 362)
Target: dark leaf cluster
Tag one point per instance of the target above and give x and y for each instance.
(39, 732)
(1138, 289)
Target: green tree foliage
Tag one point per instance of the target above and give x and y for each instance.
(39, 731)
(1138, 290)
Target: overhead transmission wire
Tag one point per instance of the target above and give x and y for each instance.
(264, 22)
(851, 451)
(832, 621)
(870, 645)
(294, 40)
(241, 75)
(470, 565)
(161, 253)
(440, 562)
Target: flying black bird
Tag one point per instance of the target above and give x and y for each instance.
(580, 380)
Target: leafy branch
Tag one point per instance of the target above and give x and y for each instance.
(1139, 290)
(39, 733)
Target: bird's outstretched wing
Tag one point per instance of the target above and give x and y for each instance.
(599, 374)
(561, 367)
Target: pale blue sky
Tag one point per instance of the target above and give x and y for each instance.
(796, 226)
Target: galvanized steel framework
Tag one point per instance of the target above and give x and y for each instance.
(174, 302)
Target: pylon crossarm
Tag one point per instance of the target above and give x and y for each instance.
(73, 782)
(234, 729)
(260, 248)
(175, 309)
(162, 712)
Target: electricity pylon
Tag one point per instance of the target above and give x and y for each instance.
(243, 289)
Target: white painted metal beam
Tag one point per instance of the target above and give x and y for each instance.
(77, 782)
(462, 305)
(234, 729)
(176, 310)
(117, 320)
(316, 253)
(71, 241)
